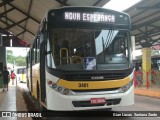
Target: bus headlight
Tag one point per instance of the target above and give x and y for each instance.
(66, 91)
(60, 89)
(126, 87)
(54, 86)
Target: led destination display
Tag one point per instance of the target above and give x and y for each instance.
(89, 17)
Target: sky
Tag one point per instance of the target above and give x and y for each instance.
(18, 51)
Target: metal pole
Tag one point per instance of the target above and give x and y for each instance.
(16, 75)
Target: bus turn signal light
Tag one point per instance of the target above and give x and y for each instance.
(49, 82)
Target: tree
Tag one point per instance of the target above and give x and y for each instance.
(18, 60)
(10, 57)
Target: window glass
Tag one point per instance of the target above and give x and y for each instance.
(89, 49)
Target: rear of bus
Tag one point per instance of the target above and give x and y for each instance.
(21, 75)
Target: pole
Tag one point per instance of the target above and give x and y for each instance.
(147, 80)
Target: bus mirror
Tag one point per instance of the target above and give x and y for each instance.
(44, 26)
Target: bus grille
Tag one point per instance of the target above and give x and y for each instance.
(96, 90)
(88, 104)
(100, 77)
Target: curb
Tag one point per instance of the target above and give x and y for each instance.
(147, 92)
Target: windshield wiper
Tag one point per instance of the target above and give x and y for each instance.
(107, 42)
(109, 38)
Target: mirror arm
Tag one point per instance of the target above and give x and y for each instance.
(48, 52)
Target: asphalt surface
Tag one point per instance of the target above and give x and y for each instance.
(144, 108)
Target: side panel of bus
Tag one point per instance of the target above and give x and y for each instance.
(35, 80)
(36, 69)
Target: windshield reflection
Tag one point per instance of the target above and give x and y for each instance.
(89, 49)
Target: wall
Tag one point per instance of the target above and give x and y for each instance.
(2, 59)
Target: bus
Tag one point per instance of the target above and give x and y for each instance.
(21, 74)
(81, 59)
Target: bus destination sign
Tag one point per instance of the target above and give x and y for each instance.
(89, 17)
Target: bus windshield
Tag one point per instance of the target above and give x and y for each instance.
(89, 49)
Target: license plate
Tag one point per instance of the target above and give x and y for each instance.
(98, 100)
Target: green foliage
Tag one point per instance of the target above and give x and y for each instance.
(19, 60)
(155, 52)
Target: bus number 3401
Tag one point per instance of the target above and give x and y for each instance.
(83, 85)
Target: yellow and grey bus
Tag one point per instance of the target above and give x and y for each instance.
(81, 59)
(21, 74)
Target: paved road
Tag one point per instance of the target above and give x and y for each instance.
(142, 103)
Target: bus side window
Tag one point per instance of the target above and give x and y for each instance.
(38, 49)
